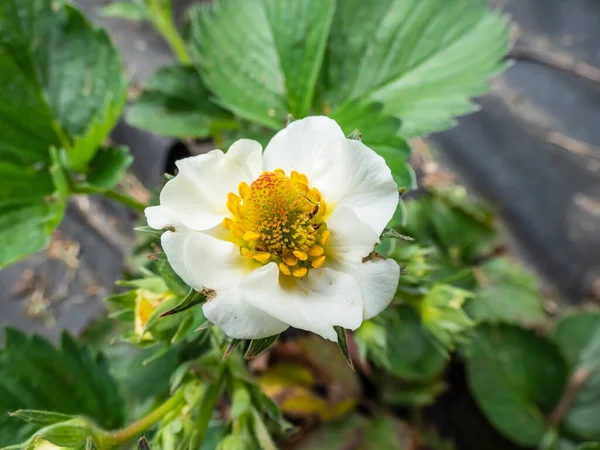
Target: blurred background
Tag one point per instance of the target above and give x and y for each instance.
(532, 152)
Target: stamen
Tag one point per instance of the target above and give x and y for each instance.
(262, 257)
(302, 256)
(323, 207)
(300, 272)
(244, 190)
(315, 250)
(250, 236)
(290, 259)
(318, 262)
(279, 218)
(233, 203)
(284, 269)
(247, 253)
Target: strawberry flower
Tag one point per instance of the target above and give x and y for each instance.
(285, 237)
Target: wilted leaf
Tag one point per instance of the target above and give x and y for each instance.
(312, 379)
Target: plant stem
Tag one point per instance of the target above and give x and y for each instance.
(163, 21)
(576, 382)
(134, 430)
(126, 200)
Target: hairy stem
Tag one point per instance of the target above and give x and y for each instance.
(126, 200)
(134, 430)
(162, 18)
(576, 382)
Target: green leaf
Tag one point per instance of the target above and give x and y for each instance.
(192, 299)
(421, 59)
(71, 435)
(258, 346)
(517, 377)
(132, 10)
(355, 432)
(398, 342)
(80, 381)
(65, 77)
(269, 63)
(40, 417)
(241, 401)
(589, 446)
(508, 293)
(578, 336)
(205, 411)
(343, 344)
(176, 103)
(231, 347)
(108, 168)
(385, 432)
(262, 432)
(573, 332)
(90, 445)
(32, 204)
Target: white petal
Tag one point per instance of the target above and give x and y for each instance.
(158, 217)
(239, 319)
(346, 171)
(174, 244)
(363, 182)
(205, 262)
(318, 302)
(352, 240)
(378, 282)
(304, 146)
(197, 196)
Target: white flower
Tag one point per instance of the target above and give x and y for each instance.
(282, 236)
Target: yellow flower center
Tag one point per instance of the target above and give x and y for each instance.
(279, 218)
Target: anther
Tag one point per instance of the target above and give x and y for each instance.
(316, 263)
(315, 250)
(247, 253)
(284, 269)
(250, 236)
(243, 189)
(300, 272)
(290, 259)
(302, 256)
(325, 237)
(262, 257)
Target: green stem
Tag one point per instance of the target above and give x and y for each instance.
(126, 200)
(112, 439)
(163, 21)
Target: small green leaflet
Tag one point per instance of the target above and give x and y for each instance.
(343, 344)
(193, 298)
(258, 346)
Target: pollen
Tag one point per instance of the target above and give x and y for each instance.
(281, 219)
